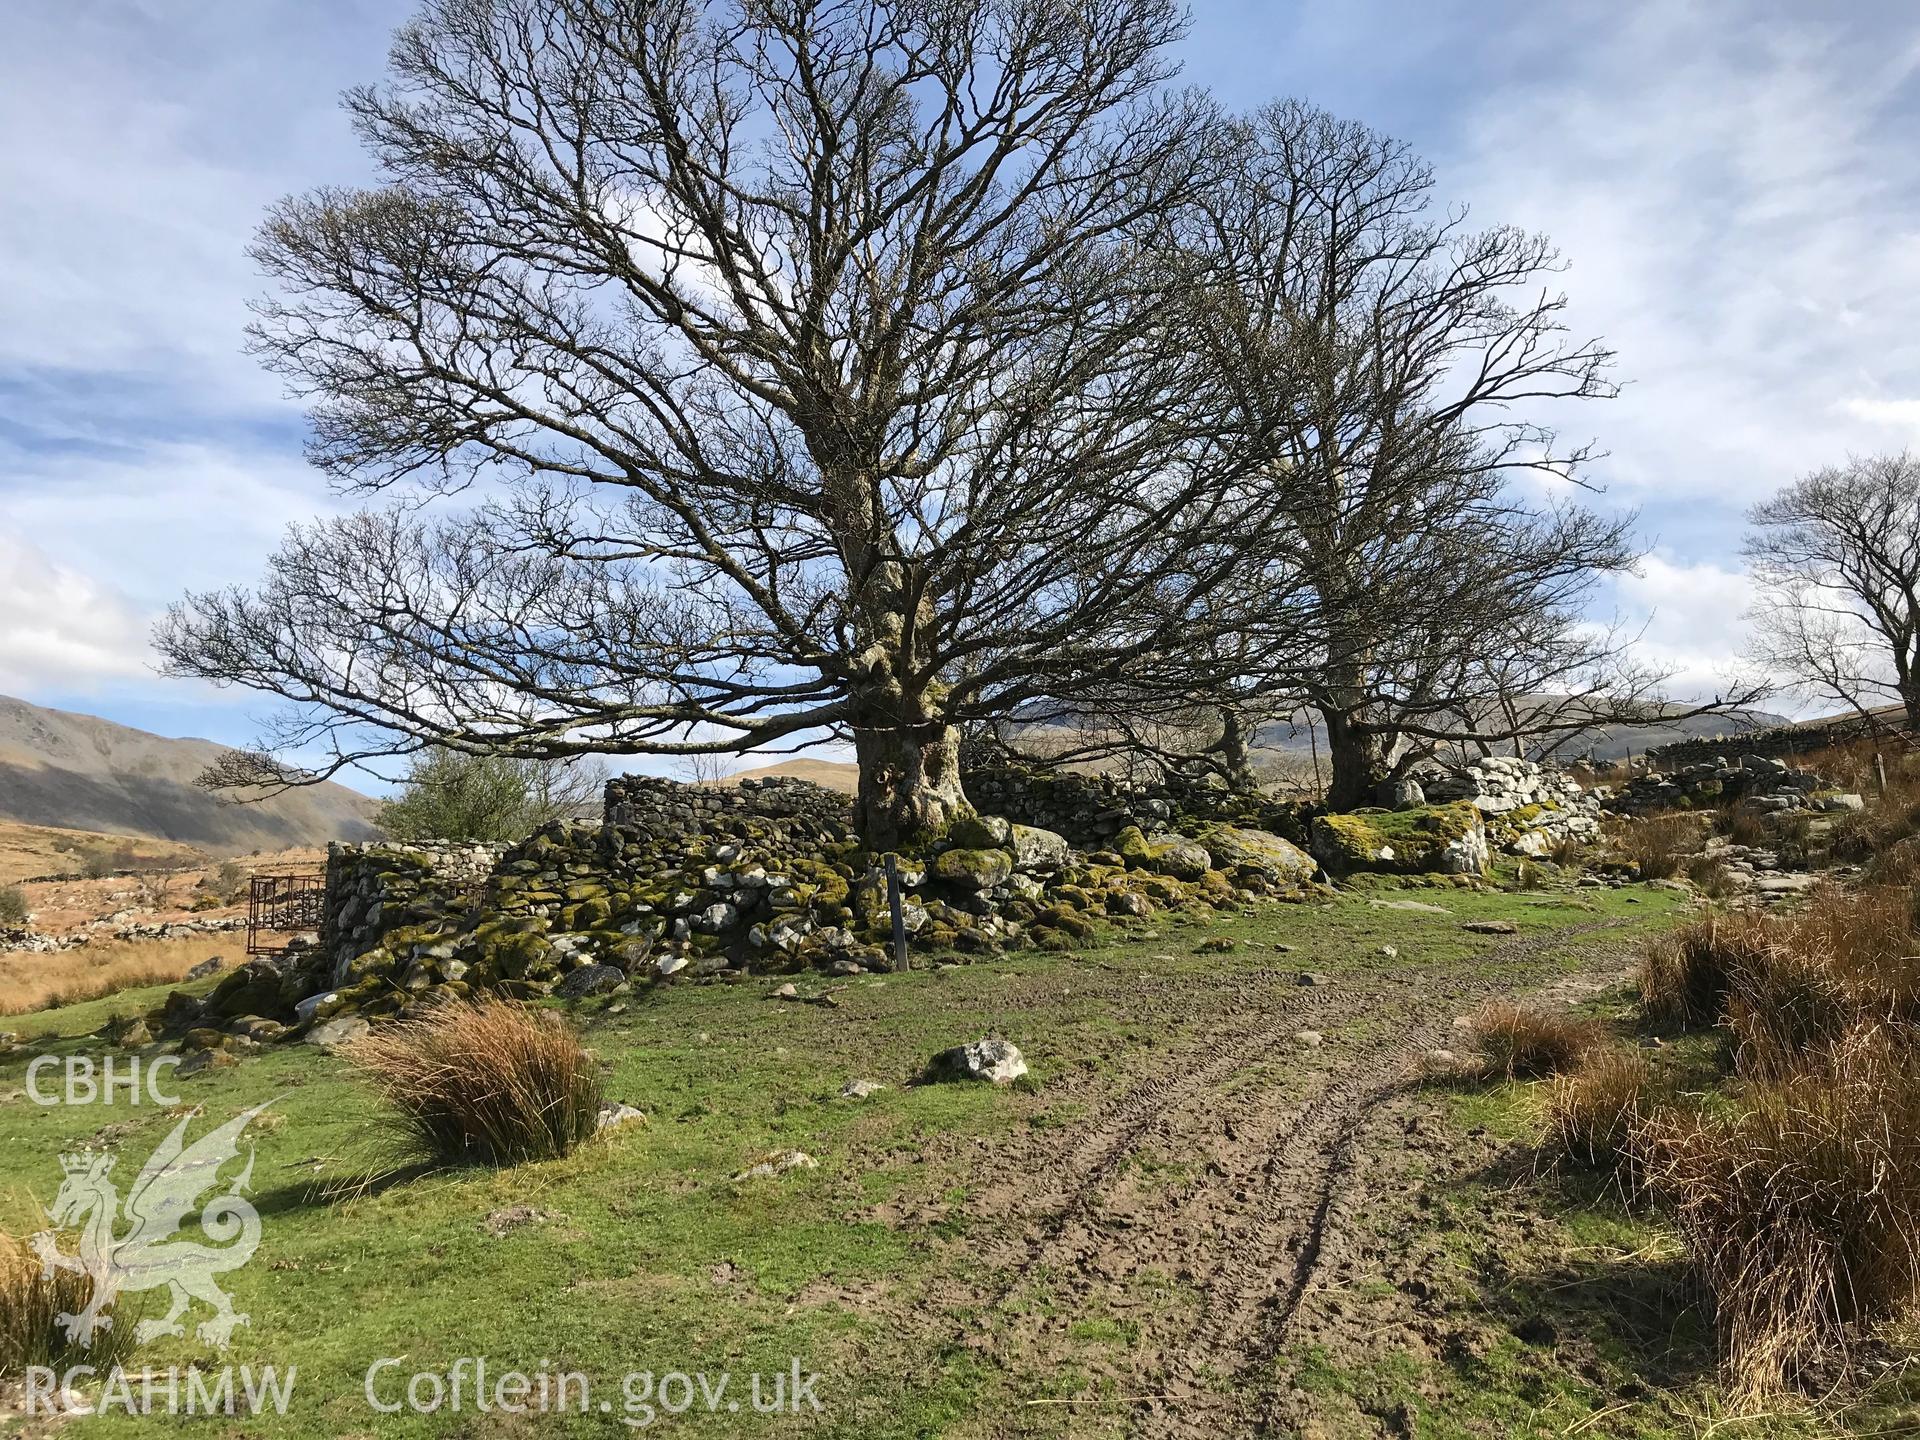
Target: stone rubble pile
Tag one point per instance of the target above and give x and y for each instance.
(19, 938)
(1531, 808)
(1451, 820)
(1757, 784)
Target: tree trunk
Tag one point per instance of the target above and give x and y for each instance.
(1235, 764)
(909, 784)
(1360, 762)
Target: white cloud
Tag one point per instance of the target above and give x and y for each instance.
(1896, 414)
(1691, 620)
(1728, 188)
(61, 629)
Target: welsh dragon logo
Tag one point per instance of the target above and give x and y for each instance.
(164, 1196)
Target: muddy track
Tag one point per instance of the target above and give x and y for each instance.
(1265, 1183)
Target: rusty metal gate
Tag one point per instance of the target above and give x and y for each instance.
(280, 906)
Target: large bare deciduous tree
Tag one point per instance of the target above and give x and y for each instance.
(1396, 365)
(745, 372)
(1835, 559)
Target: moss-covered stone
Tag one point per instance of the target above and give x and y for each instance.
(1423, 838)
(973, 869)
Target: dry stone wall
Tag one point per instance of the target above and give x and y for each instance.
(1091, 809)
(695, 882)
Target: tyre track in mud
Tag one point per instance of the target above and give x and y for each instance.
(1250, 1231)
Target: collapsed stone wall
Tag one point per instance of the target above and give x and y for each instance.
(715, 883)
(376, 886)
(1760, 784)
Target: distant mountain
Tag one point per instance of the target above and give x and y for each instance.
(84, 773)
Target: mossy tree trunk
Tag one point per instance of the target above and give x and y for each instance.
(907, 747)
(1236, 764)
(909, 784)
(1360, 756)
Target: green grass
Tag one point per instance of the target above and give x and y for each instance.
(653, 1259)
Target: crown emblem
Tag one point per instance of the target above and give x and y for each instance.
(80, 1162)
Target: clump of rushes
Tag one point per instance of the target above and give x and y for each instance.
(1685, 975)
(490, 1083)
(1522, 1042)
(1800, 1207)
(29, 1301)
(1594, 1110)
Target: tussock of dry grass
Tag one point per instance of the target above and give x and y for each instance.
(1685, 975)
(491, 1083)
(1522, 1042)
(29, 1300)
(1888, 819)
(68, 977)
(1801, 1209)
(1594, 1109)
(1657, 844)
(1799, 1199)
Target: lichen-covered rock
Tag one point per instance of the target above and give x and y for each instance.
(973, 869)
(991, 1060)
(1449, 839)
(1038, 850)
(589, 980)
(1232, 847)
(1179, 857)
(980, 832)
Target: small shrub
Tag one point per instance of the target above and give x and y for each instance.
(1594, 1109)
(13, 905)
(29, 1299)
(490, 1083)
(226, 883)
(154, 887)
(1801, 1210)
(1524, 1043)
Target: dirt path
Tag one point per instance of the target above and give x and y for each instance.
(1194, 1216)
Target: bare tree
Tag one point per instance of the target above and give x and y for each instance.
(1392, 363)
(1835, 558)
(792, 368)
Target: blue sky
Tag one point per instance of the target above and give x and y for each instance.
(1734, 184)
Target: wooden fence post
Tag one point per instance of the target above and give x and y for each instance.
(899, 916)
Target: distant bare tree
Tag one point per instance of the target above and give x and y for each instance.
(1394, 363)
(704, 769)
(801, 367)
(1835, 558)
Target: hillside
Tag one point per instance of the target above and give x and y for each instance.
(833, 774)
(80, 772)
